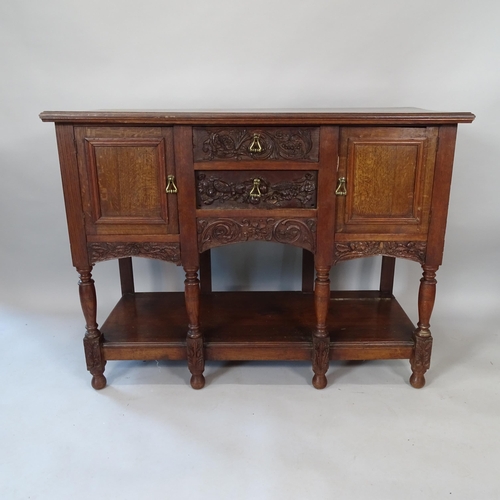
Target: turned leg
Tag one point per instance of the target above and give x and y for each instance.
(194, 341)
(321, 337)
(421, 358)
(93, 338)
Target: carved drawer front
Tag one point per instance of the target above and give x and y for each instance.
(256, 143)
(124, 176)
(256, 189)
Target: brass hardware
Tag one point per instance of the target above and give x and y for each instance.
(255, 191)
(171, 187)
(341, 187)
(255, 146)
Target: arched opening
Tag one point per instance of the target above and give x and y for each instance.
(256, 266)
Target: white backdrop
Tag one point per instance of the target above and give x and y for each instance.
(227, 54)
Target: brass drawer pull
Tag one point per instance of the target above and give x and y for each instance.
(171, 187)
(341, 187)
(255, 191)
(255, 146)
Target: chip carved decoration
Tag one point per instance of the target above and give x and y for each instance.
(222, 231)
(154, 250)
(413, 250)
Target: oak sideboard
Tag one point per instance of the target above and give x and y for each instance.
(339, 184)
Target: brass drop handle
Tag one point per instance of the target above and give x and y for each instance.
(255, 146)
(255, 191)
(341, 187)
(171, 187)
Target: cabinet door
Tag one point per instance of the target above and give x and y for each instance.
(387, 175)
(124, 172)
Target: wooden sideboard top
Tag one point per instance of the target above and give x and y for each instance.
(347, 116)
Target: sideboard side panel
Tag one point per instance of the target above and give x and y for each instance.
(441, 194)
(72, 195)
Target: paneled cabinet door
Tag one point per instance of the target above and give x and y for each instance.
(124, 176)
(385, 180)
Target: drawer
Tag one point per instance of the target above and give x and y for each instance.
(256, 189)
(256, 143)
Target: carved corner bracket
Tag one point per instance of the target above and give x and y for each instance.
(216, 232)
(413, 250)
(154, 250)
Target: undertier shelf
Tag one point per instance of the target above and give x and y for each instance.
(258, 326)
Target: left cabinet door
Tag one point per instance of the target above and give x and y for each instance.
(124, 172)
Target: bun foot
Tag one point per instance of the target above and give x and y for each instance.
(319, 381)
(417, 380)
(197, 381)
(98, 382)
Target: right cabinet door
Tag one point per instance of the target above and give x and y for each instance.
(385, 177)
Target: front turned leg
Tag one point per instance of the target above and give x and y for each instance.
(321, 338)
(194, 341)
(421, 358)
(93, 339)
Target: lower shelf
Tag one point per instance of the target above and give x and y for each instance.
(258, 326)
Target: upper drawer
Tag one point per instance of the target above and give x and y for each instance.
(256, 143)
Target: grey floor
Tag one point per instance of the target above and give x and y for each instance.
(256, 431)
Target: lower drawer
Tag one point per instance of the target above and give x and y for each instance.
(256, 189)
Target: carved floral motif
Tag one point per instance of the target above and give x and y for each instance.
(413, 250)
(155, 250)
(421, 359)
(275, 144)
(195, 355)
(298, 192)
(217, 232)
(93, 355)
(321, 354)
